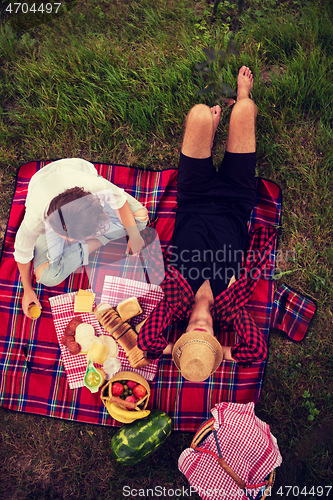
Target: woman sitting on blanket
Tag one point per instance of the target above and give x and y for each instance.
(212, 219)
(70, 212)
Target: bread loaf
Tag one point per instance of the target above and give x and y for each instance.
(128, 340)
(111, 321)
(137, 359)
(122, 332)
(101, 309)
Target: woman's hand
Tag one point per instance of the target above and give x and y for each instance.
(135, 244)
(227, 353)
(29, 297)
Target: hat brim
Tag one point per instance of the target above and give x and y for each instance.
(197, 335)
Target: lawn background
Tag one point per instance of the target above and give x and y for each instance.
(112, 81)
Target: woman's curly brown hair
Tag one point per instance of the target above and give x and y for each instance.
(77, 214)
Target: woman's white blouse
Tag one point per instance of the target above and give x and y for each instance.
(49, 182)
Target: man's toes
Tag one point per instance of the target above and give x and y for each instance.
(216, 112)
(218, 109)
(246, 71)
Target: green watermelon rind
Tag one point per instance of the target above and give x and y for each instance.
(135, 441)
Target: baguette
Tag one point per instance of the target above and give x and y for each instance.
(123, 333)
(121, 330)
(128, 340)
(137, 359)
(111, 323)
(102, 308)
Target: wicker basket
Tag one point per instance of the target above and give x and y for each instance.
(126, 375)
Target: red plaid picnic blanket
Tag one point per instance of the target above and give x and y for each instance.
(32, 374)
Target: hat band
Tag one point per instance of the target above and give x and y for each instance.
(195, 341)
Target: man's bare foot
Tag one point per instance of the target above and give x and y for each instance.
(244, 83)
(216, 114)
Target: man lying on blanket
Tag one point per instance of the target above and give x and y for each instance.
(204, 283)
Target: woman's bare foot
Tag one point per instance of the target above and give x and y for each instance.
(216, 114)
(244, 83)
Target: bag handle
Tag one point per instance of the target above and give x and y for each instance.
(219, 458)
(200, 434)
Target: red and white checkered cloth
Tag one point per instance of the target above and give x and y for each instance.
(247, 446)
(117, 289)
(62, 307)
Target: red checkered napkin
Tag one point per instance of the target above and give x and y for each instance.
(117, 289)
(62, 307)
(247, 446)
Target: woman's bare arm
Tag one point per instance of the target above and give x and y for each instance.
(136, 241)
(29, 295)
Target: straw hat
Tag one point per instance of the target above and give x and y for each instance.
(197, 355)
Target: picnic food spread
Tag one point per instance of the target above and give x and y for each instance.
(93, 378)
(122, 331)
(80, 333)
(129, 308)
(80, 338)
(83, 301)
(122, 400)
(68, 339)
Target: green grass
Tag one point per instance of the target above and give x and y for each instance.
(113, 81)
